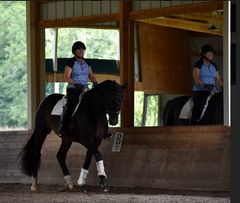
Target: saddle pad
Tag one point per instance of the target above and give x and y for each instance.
(186, 111)
(58, 108)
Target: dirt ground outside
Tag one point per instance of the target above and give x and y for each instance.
(19, 193)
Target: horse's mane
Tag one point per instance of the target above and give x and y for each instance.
(105, 85)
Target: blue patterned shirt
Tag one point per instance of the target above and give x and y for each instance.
(207, 74)
(80, 71)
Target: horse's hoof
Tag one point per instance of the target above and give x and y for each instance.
(66, 188)
(34, 188)
(106, 189)
(70, 188)
(103, 184)
(82, 188)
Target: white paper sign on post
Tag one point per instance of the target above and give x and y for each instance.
(117, 144)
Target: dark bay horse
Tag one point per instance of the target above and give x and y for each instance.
(89, 125)
(212, 115)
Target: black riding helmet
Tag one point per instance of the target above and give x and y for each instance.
(206, 48)
(78, 45)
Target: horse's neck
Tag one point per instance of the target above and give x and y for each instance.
(96, 101)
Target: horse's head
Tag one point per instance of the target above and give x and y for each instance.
(114, 102)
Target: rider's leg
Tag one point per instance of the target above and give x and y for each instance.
(199, 99)
(72, 100)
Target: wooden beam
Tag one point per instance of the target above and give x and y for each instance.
(176, 10)
(59, 77)
(127, 63)
(133, 15)
(78, 21)
(202, 17)
(182, 24)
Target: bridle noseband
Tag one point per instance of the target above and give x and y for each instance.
(116, 104)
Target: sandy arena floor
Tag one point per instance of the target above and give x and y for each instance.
(19, 193)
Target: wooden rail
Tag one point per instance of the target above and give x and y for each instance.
(185, 158)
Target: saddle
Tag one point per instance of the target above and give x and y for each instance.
(186, 111)
(58, 108)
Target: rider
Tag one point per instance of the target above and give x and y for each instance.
(206, 77)
(77, 73)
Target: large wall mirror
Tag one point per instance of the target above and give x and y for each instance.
(166, 49)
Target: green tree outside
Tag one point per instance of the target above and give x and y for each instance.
(13, 64)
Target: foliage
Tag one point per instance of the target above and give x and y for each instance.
(152, 109)
(138, 108)
(13, 64)
(101, 44)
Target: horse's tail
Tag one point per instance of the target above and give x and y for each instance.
(30, 157)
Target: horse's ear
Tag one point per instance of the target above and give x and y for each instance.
(124, 86)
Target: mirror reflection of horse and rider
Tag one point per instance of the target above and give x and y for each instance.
(205, 106)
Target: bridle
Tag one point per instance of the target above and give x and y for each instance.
(117, 103)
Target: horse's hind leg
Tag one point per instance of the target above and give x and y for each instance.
(61, 157)
(34, 184)
(84, 172)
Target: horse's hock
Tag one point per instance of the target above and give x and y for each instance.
(192, 158)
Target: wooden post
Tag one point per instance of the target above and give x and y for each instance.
(127, 63)
(34, 47)
(144, 113)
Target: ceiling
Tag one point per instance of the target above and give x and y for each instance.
(208, 22)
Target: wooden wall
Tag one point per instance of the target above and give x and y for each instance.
(192, 158)
(165, 59)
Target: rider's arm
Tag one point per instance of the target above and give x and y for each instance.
(196, 76)
(91, 77)
(219, 80)
(67, 75)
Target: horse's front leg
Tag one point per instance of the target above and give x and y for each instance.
(84, 172)
(61, 157)
(101, 171)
